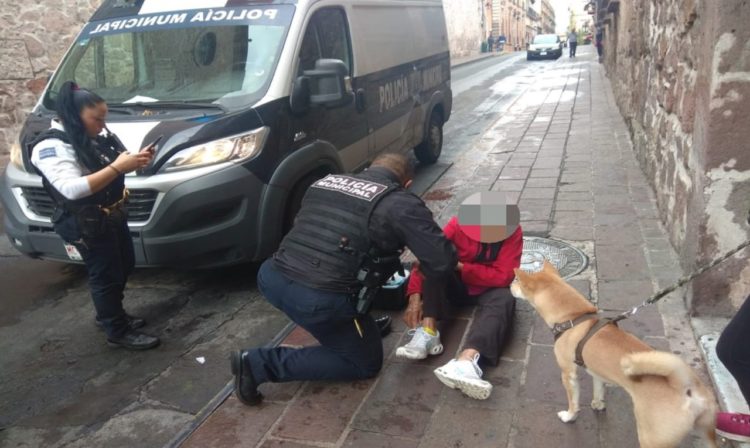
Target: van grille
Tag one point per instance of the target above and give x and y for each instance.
(140, 204)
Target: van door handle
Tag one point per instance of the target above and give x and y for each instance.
(361, 100)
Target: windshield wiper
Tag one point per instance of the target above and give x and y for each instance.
(169, 105)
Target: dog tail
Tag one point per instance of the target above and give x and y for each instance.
(657, 363)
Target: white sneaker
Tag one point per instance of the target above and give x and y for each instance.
(421, 345)
(465, 376)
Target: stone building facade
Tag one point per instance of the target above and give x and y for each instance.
(513, 23)
(33, 38)
(547, 13)
(681, 74)
(467, 26)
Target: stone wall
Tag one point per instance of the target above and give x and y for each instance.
(465, 26)
(34, 35)
(681, 74)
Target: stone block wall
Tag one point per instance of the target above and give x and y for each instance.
(34, 35)
(681, 74)
(465, 26)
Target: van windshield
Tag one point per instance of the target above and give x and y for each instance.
(545, 39)
(225, 56)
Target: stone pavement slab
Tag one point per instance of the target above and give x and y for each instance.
(562, 151)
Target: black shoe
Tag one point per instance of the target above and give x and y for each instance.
(134, 340)
(245, 386)
(134, 323)
(384, 325)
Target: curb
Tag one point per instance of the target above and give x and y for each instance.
(219, 398)
(478, 59)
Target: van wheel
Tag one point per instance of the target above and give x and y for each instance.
(294, 203)
(428, 152)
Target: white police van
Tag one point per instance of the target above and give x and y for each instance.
(255, 100)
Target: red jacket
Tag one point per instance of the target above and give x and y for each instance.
(478, 277)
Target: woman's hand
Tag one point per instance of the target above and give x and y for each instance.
(127, 162)
(413, 313)
(460, 267)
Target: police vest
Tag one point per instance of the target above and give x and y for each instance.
(330, 237)
(104, 152)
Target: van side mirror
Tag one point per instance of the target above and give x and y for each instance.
(328, 85)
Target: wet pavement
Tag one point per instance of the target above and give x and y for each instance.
(550, 136)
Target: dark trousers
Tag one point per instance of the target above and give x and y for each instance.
(493, 319)
(733, 348)
(342, 356)
(573, 46)
(109, 261)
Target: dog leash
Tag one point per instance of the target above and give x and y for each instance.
(685, 279)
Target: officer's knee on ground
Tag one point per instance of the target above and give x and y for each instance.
(370, 368)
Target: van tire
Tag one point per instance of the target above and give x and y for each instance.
(428, 152)
(294, 201)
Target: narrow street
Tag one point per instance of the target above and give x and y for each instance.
(62, 386)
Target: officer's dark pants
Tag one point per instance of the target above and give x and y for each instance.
(342, 356)
(493, 319)
(733, 348)
(109, 262)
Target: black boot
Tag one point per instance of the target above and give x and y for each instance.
(384, 325)
(245, 386)
(134, 323)
(134, 340)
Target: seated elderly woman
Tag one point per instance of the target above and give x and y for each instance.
(487, 257)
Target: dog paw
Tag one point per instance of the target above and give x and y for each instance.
(567, 417)
(598, 405)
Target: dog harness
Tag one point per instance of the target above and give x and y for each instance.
(560, 328)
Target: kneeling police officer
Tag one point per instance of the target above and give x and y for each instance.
(84, 173)
(344, 245)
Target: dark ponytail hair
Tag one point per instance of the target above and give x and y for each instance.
(71, 100)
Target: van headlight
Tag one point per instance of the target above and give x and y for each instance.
(237, 148)
(16, 158)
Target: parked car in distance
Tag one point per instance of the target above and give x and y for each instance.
(545, 46)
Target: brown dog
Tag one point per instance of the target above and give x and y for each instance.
(668, 398)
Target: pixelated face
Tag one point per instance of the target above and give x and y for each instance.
(487, 218)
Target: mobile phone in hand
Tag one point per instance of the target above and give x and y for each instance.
(152, 146)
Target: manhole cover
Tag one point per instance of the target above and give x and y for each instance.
(568, 260)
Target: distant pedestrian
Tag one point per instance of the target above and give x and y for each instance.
(600, 43)
(573, 42)
(734, 352)
(490, 42)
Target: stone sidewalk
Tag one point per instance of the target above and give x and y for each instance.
(562, 151)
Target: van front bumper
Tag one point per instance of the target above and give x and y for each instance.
(205, 221)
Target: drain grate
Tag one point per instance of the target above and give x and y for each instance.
(568, 260)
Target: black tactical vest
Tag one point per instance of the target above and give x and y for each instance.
(104, 151)
(330, 237)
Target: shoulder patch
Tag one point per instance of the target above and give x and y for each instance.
(47, 153)
(360, 189)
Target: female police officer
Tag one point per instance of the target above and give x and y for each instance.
(83, 170)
